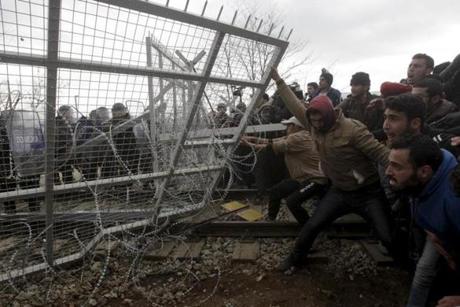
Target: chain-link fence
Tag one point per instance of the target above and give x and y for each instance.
(114, 118)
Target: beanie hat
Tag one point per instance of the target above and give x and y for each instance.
(119, 107)
(394, 89)
(323, 105)
(360, 78)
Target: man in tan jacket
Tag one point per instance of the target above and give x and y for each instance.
(302, 161)
(348, 153)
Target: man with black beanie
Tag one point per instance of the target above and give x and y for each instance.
(356, 105)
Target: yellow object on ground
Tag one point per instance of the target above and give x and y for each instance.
(233, 205)
(250, 215)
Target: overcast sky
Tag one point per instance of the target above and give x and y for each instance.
(375, 36)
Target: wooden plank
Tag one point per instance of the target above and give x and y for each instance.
(104, 246)
(9, 244)
(205, 215)
(246, 229)
(317, 258)
(375, 250)
(246, 251)
(350, 235)
(250, 215)
(233, 206)
(190, 250)
(351, 218)
(159, 253)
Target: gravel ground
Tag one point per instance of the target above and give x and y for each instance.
(128, 278)
(118, 281)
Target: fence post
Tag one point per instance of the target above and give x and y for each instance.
(54, 11)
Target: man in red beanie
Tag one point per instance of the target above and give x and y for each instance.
(388, 89)
(348, 153)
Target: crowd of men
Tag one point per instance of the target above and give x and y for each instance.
(88, 147)
(113, 151)
(391, 159)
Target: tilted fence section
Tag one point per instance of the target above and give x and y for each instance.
(113, 118)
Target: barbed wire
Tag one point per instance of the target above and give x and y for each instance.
(133, 244)
(111, 180)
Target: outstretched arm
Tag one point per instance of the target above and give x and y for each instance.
(368, 145)
(246, 142)
(289, 98)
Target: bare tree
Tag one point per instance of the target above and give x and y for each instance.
(254, 57)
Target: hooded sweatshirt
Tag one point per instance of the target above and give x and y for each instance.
(347, 150)
(437, 209)
(323, 105)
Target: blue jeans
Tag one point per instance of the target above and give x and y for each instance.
(427, 267)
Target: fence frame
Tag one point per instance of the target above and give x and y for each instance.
(53, 62)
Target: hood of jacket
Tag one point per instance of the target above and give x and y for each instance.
(438, 208)
(323, 105)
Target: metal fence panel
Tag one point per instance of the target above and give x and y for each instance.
(111, 119)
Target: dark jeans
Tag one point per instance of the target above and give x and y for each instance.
(88, 167)
(25, 183)
(425, 273)
(295, 193)
(269, 170)
(112, 167)
(368, 202)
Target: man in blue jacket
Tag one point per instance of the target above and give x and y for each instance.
(419, 167)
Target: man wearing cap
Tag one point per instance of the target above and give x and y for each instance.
(348, 153)
(302, 161)
(325, 89)
(356, 105)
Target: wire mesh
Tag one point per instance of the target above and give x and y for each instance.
(23, 26)
(241, 58)
(131, 149)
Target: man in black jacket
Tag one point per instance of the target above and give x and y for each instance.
(356, 105)
(64, 154)
(124, 142)
(431, 92)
